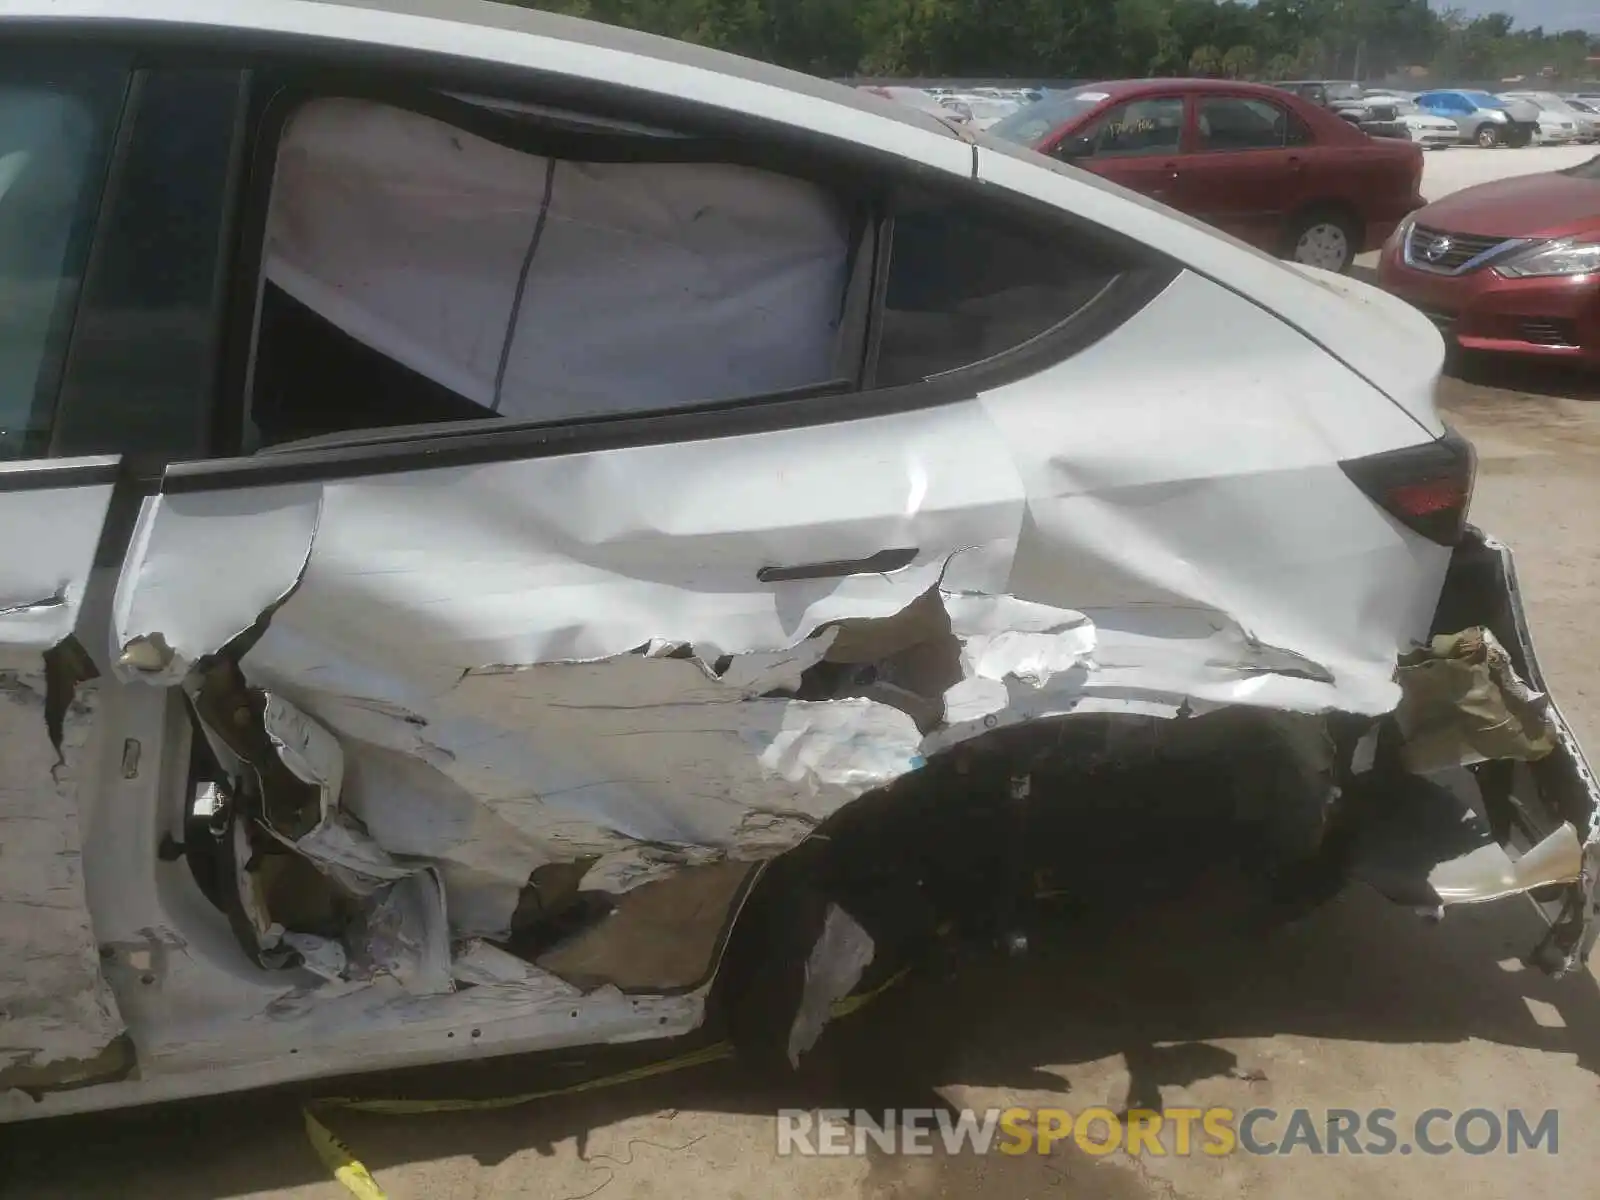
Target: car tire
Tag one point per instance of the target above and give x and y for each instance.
(1487, 136)
(1322, 237)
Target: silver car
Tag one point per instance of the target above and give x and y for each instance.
(1585, 119)
(1483, 119)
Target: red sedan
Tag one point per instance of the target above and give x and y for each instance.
(1508, 266)
(1260, 163)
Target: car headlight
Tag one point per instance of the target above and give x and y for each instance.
(1398, 237)
(1566, 257)
(1495, 114)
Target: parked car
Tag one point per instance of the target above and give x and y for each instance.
(1349, 102)
(572, 531)
(1511, 266)
(1554, 128)
(934, 102)
(1429, 132)
(1553, 108)
(1262, 164)
(1482, 119)
(986, 109)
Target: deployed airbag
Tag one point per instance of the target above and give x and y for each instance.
(553, 289)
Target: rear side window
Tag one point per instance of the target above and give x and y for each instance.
(419, 269)
(966, 285)
(57, 121)
(1236, 123)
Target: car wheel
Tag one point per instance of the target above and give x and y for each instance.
(1488, 136)
(1323, 239)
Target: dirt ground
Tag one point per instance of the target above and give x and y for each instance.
(1446, 171)
(1180, 1001)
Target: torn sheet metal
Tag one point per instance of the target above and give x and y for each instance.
(337, 845)
(1431, 844)
(404, 933)
(842, 953)
(251, 560)
(1462, 702)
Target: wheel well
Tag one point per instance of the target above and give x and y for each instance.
(949, 845)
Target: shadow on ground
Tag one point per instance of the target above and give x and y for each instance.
(1537, 377)
(1157, 981)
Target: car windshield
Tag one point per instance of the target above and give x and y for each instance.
(1484, 100)
(1343, 91)
(1054, 109)
(1583, 106)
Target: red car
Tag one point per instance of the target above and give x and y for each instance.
(1509, 266)
(1258, 162)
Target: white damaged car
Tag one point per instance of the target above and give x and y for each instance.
(517, 530)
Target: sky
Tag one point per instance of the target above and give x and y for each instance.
(1554, 15)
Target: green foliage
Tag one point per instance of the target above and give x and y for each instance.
(1105, 39)
(1206, 61)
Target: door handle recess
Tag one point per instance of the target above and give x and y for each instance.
(873, 564)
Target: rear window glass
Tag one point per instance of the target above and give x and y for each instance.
(966, 285)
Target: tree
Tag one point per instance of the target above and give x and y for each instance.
(1043, 39)
(1205, 61)
(1239, 62)
(1280, 66)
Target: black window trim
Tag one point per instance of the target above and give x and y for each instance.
(104, 230)
(389, 450)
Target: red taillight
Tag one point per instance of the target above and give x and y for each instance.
(1426, 488)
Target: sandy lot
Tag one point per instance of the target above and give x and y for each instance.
(1179, 1001)
(1446, 171)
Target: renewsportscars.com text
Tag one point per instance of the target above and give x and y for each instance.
(1172, 1131)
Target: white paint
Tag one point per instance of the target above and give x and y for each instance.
(252, 561)
(54, 1004)
(842, 952)
(1393, 358)
(47, 542)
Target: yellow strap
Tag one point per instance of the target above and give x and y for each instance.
(347, 1169)
(336, 1156)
